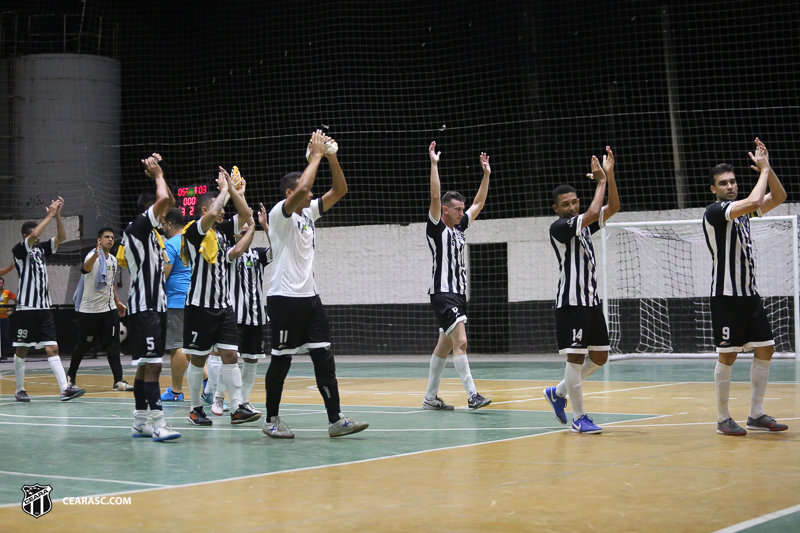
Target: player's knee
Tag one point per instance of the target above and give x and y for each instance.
(278, 368)
(324, 365)
(51, 350)
(599, 358)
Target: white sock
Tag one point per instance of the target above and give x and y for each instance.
(462, 367)
(573, 384)
(158, 419)
(588, 368)
(435, 376)
(19, 372)
(194, 377)
(722, 381)
(58, 370)
(759, 376)
(140, 417)
(249, 371)
(231, 376)
(214, 366)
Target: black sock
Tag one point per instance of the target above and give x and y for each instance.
(153, 394)
(139, 396)
(116, 366)
(328, 385)
(75, 363)
(276, 375)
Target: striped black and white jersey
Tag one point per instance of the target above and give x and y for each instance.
(449, 271)
(145, 257)
(292, 237)
(210, 285)
(247, 286)
(31, 266)
(577, 282)
(733, 272)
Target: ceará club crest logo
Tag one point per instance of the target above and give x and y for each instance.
(36, 501)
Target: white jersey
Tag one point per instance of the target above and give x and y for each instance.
(94, 301)
(292, 238)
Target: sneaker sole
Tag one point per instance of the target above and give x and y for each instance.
(167, 400)
(742, 434)
(171, 437)
(590, 432)
(24, 400)
(276, 436)
(76, 395)
(246, 420)
(482, 404)
(760, 428)
(434, 408)
(140, 436)
(356, 429)
(546, 397)
(205, 422)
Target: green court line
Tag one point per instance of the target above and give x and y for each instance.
(64, 450)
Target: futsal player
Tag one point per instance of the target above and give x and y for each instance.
(99, 310)
(299, 323)
(209, 319)
(246, 266)
(737, 314)
(580, 325)
(143, 252)
(178, 277)
(32, 324)
(447, 223)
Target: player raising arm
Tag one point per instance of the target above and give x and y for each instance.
(580, 325)
(738, 318)
(445, 229)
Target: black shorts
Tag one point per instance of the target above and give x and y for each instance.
(251, 342)
(581, 329)
(450, 309)
(103, 327)
(147, 331)
(297, 324)
(740, 324)
(33, 328)
(207, 329)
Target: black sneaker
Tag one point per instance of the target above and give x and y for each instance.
(21, 396)
(198, 417)
(476, 401)
(70, 393)
(245, 413)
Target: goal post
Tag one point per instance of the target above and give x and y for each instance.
(656, 278)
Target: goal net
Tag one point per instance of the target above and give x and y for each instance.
(656, 281)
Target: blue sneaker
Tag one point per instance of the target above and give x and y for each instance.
(170, 396)
(558, 403)
(207, 398)
(585, 425)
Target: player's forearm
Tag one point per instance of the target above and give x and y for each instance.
(242, 209)
(436, 188)
(164, 198)
(218, 205)
(7, 269)
(613, 195)
(756, 197)
(339, 185)
(593, 213)
(243, 244)
(61, 231)
(39, 229)
(483, 191)
(89, 263)
(776, 187)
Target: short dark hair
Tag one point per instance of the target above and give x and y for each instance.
(562, 189)
(205, 199)
(104, 230)
(449, 196)
(28, 227)
(174, 216)
(718, 170)
(289, 181)
(146, 199)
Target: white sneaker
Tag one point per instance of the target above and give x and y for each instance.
(122, 386)
(276, 429)
(165, 432)
(345, 426)
(141, 430)
(218, 407)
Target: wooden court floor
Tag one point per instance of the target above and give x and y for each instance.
(658, 466)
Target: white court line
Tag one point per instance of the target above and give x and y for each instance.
(741, 526)
(585, 394)
(73, 478)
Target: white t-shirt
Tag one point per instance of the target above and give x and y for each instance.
(292, 241)
(94, 301)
